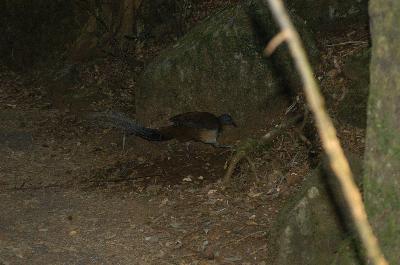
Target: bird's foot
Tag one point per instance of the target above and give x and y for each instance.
(218, 145)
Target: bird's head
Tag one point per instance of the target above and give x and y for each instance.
(226, 119)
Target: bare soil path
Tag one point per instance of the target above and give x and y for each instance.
(70, 195)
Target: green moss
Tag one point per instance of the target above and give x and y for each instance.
(387, 136)
(345, 254)
(309, 230)
(383, 213)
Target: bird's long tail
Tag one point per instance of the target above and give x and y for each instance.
(128, 125)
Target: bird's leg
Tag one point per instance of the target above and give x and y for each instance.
(123, 142)
(187, 144)
(170, 148)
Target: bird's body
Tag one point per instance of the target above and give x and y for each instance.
(198, 120)
(190, 126)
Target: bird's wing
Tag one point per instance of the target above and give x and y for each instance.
(198, 120)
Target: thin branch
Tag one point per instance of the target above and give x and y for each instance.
(276, 41)
(232, 165)
(327, 132)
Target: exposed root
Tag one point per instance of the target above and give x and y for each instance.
(249, 146)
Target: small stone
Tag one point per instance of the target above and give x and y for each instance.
(160, 254)
(152, 239)
(178, 244)
(313, 192)
(176, 225)
(233, 259)
(210, 192)
(164, 202)
(332, 73)
(208, 253)
(187, 179)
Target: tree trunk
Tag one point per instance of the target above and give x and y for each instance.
(127, 13)
(107, 28)
(382, 158)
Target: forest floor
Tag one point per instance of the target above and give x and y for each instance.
(70, 194)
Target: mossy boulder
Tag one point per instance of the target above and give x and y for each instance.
(219, 67)
(314, 227)
(353, 107)
(323, 15)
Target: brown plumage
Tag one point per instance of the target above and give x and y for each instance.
(190, 126)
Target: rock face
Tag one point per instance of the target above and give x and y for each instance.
(160, 19)
(353, 107)
(311, 229)
(219, 67)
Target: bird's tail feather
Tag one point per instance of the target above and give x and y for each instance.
(128, 125)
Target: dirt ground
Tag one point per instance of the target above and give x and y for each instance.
(70, 194)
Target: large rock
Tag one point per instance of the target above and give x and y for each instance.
(219, 67)
(314, 227)
(330, 14)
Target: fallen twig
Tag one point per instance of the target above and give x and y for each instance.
(347, 42)
(236, 241)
